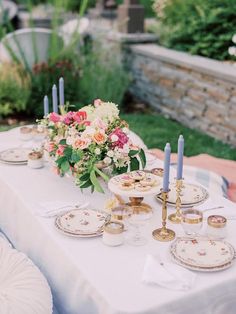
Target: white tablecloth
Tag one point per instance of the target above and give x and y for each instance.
(86, 276)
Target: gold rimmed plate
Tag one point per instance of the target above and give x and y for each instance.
(191, 195)
(16, 155)
(202, 254)
(82, 222)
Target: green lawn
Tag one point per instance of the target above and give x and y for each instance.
(156, 130)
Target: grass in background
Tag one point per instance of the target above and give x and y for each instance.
(156, 130)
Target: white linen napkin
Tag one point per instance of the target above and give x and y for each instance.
(51, 208)
(166, 274)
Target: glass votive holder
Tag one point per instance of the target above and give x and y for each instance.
(25, 133)
(191, 220)
(113, 233)
(216, 227)
(121, 213)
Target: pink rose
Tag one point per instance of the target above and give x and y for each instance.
(80, 116)
(54, 117)
(97, 102)
(68, 118)
(122, 138)
(60, 150)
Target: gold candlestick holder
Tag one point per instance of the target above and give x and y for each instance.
(176, 217)
(163, 234)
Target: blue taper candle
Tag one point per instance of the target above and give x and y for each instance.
(54, 99)
(45, 106)
(166, 168)
(61, 92)
(180, 158)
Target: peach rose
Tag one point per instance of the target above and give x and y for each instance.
(81, 144)
(99, 137)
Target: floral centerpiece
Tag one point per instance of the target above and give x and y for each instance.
(85, 142)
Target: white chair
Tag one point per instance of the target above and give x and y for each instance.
(29, 46)
(23, 289)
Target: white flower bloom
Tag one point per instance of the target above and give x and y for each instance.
(126, 148)
(97, 151)
(234, 39)
(69, 140)
(107, 160)
(110, 153)
(114, 138)
(232, 51)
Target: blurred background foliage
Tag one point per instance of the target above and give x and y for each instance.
(201, 27)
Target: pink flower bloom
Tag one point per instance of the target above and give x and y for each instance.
(68, 118)
(122, 138)
(86, 123)
(81, 143)
(50, 147)
(54, 117)
(60, 150)
(55, 170)
(99, 124)
(80, 116)
(97, 102)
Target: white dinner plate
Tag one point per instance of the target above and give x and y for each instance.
(82, 222)
(15, 155)
(202, 254)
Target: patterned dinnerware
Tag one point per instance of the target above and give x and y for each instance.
(202, 254)
(191, 195)
(15, 156)
(82, 222)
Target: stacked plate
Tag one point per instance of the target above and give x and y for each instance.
(191, 195)
(83, 223)
(202, 254)
(15, 156)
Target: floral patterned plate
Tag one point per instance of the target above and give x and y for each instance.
(82, 222)
(17, 155)
(202, 254)
(191, 195)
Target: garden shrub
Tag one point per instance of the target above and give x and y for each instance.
(202, 27)
(14, 89)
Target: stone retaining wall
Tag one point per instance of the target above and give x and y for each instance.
(196, 91)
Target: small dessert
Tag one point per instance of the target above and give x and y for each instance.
(141, 188)
(138, 175)
(126, 179)
(158, 172)
(148, 181)
(116, 180)
(35, 160)
(126, 186)
(25, 133)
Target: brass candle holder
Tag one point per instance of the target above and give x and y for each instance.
(176, 217)
(163, 234)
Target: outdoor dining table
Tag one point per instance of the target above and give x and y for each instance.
(86, 276)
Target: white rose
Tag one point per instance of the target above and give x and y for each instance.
(232, 51)
(126, 148)
(69, 141)
(110, 153)
(114, 138)
(107, 160)
(97, 151)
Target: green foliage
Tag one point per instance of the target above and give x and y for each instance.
(203, 27)
(103, 75)
(14, 90)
